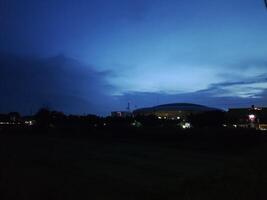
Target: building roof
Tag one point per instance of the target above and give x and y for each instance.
(177, 107)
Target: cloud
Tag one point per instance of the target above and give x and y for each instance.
(61, 83)
(249, 91)
(249, 87)
(227, 85)
(144, 99)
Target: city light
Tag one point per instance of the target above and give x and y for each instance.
(4, 123)
(252, 117)
(30, 123)
(186, 125)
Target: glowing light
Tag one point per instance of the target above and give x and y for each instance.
(137, 124)
(159, 118)
(186, 125)
(30, 123)
(263, 127)
(178, 117)
(5, 123)
(252, 117)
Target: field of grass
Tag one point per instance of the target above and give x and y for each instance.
(191, 165)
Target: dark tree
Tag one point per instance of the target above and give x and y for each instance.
(208, 119)
(43, 118)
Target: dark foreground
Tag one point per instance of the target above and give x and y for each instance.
(185, 165)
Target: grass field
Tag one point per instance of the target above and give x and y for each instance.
(133, 166)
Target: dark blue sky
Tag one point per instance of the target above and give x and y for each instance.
(94, 56)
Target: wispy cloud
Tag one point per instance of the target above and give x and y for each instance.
(243, 93)
(144, 99)
(248, 87)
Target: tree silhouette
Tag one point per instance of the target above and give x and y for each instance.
(43, 117)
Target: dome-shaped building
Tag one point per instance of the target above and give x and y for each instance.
(174, 110)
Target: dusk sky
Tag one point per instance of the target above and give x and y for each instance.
(95, 56)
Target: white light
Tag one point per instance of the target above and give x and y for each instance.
(186, 125)
(235, 125)
(159, 117)
(30, 123)
(178, 117)
(252, 117)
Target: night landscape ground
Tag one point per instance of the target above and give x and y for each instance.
(146, 164)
